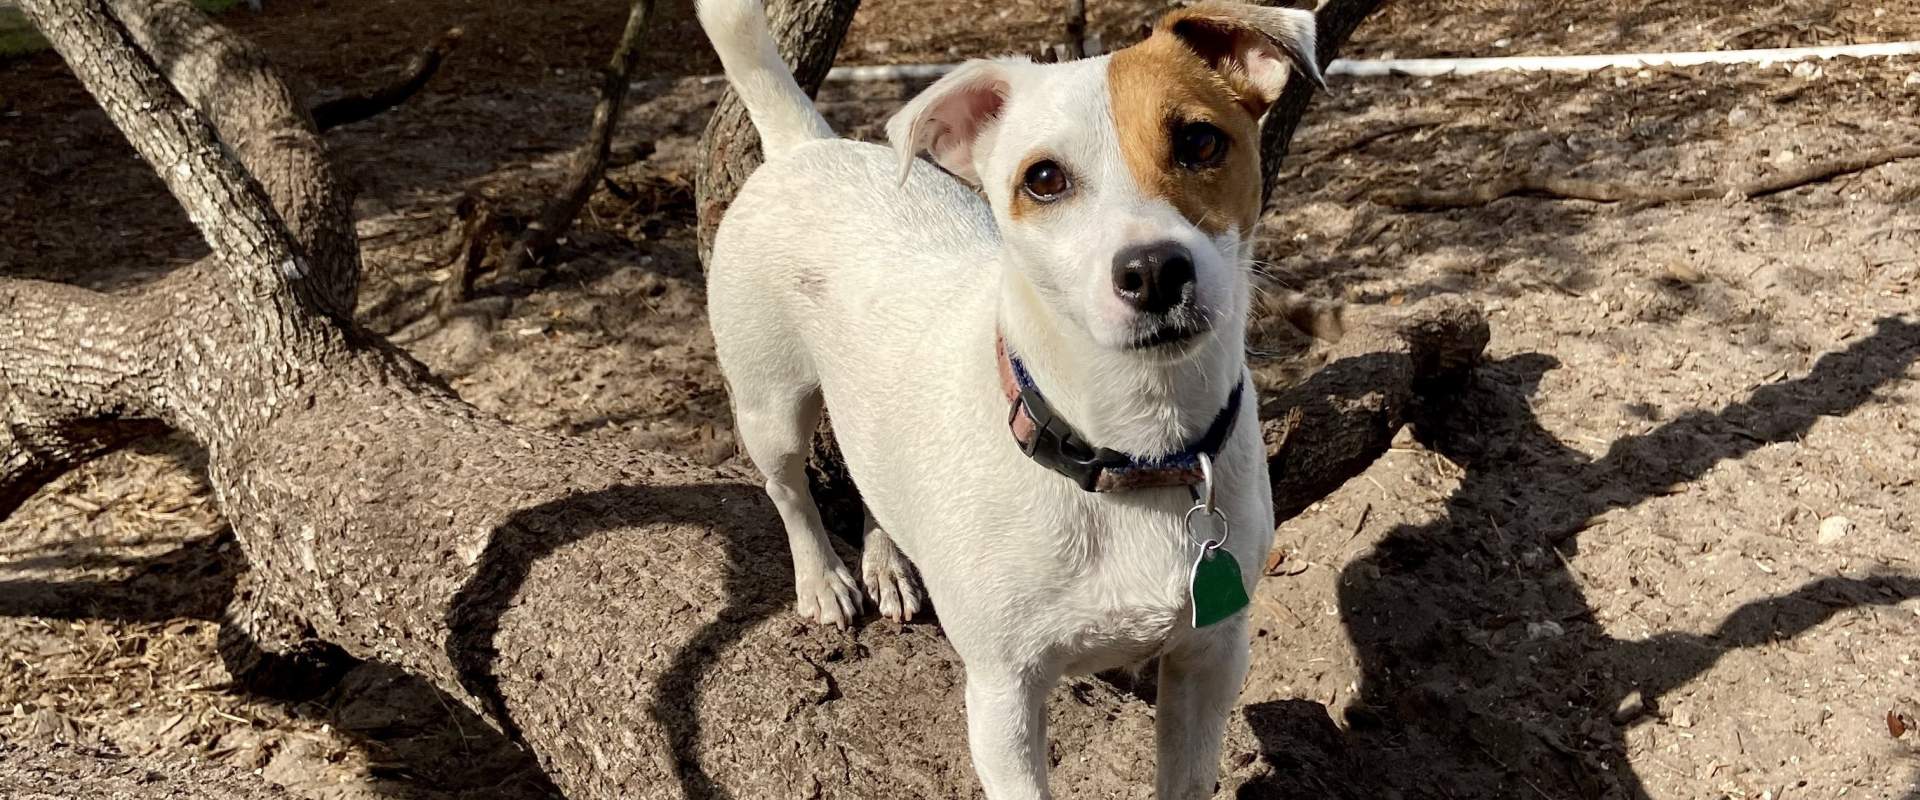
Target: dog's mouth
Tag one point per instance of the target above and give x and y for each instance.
(1169, 335)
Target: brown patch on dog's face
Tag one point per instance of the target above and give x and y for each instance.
(1160, 87)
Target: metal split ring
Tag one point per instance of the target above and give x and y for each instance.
(1203, 504)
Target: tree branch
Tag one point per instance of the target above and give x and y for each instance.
(68, 394)
(266, 126)
(1619, 191)
(230, 210)
(1338, 20)
(590, 161)
(352, 108)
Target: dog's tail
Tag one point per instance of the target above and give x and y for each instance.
(783, 114)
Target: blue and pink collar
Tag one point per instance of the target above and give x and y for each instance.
(1047, 438)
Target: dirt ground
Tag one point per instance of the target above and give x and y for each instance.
(1662, 547)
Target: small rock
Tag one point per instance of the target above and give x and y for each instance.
(1835, 528)
(1740, 117)
(1632, 707)
(1913, 79)
(1808, 70)
(1681, 719)
(1503, 43)
(1544, 630)
(1678, 272)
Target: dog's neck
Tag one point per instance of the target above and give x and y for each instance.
(1118, 400)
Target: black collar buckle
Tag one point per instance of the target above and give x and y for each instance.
(1058, 447)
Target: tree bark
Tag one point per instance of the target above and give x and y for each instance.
(626, 615)
(267, 126)
(69, 394)
(590, 161)
(809, 33)
(1338, 20)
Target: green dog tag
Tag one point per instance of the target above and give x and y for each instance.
(1216, 588)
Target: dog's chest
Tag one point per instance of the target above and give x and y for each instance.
(1130, 599)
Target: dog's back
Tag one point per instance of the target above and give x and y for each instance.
(827, 236)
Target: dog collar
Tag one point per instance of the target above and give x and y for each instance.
(1047, 439)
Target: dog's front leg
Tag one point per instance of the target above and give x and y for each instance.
(1007, 732)
(1199, 686)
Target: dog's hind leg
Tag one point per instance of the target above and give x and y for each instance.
(776, 426)
(888, 575)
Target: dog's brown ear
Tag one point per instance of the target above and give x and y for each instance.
(947, 119)
(1254, 47)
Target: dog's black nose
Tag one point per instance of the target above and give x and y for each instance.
(1154, 277)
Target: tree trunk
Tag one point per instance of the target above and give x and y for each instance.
(809, 33)
(1338, 19)
(626, 615)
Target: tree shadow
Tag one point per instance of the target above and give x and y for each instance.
(754, 588)
(412, 732)
(1452, 701)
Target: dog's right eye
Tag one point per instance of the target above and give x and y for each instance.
(1198, 145)
(1046, 181)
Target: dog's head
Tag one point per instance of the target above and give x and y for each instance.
(1126, 187)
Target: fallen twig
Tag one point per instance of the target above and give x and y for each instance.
(590, 161)
(1323, 150)
(356, 107)
(1618, 191)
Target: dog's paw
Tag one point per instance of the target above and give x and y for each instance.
(890, 579)
(828, 596)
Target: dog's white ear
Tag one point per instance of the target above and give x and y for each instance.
(947, 119)
(1255, 47)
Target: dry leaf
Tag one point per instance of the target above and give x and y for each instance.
(1276, 558)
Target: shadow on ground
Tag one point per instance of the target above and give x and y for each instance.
(411, 733)
(1440, 696)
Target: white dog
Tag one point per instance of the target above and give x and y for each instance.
(1042, 396)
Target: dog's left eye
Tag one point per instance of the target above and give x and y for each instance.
(1198, 145)
(1046, 181)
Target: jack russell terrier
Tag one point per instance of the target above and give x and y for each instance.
(1042, 395)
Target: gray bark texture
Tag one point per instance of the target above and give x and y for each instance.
(625, 615)
(1338, 20)
(809, 33)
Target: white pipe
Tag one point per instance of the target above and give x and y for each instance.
(1428, 67)
(1425, 67)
